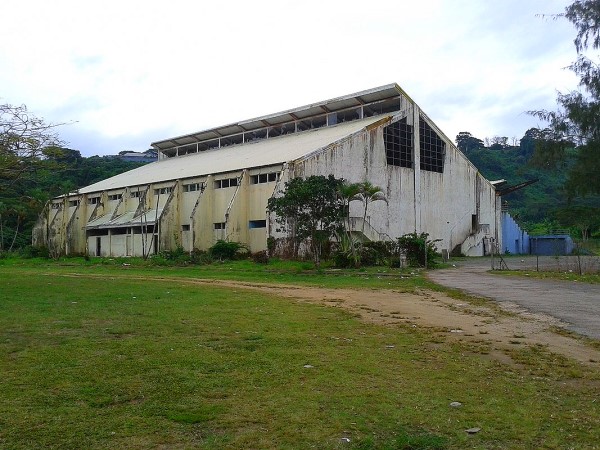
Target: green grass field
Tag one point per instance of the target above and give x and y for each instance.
(116, 362)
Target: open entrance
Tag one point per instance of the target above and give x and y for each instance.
(98, 245)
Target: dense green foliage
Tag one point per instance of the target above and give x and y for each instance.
(310, 209)
(545, 204)
(226, 250)
(52, 172)
(577, 119)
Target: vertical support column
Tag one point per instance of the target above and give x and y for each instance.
(417, 166)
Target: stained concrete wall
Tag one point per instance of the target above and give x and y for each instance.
(458, 207)
(445, 205)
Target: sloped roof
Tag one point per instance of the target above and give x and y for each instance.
(127, 219)
(265, 152)
(326, 106)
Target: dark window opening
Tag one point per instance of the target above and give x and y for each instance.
(164, 190)
(185, 228)
(225, 183)
(232, 140)
(433, 148)
(116, 231)
(386, 106)
(186, 149)
(347, 115)
(264, 178)
(207, 145)
(255, 135)
(312, 122)
(257, 224)
(219, 225)
(474, 223)
(192, 187)
(140, 230)
(398, 139)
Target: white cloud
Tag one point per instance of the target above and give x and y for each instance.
(131, 72)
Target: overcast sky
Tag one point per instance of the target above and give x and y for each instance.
(127, 73)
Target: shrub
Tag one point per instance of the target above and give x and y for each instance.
(223, 250)
(419, 250)
(35, 252)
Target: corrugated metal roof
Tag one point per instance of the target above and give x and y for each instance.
(126, 219)
(331, 105)
(264, 152)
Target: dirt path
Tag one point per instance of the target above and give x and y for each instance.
(487, 325)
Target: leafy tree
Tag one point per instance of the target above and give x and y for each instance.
(466, 142)
(528, 142)
(311, 209)
(23, 138)
(577, 119)
(498, 142)
(23, 141)
(585, 218)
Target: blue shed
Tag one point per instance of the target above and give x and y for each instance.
(551, 245)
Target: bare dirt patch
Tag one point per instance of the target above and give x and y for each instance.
(494, 327)
(501, 327)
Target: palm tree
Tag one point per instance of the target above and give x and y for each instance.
(349, 192)
(368, 193)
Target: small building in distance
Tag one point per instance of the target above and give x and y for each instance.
(215, 184)
(142, 157)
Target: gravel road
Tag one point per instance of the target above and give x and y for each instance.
(575, 303)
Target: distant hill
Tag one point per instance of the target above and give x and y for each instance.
(534, 205)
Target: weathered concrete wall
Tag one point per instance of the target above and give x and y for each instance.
(450, 206)
(458, 206)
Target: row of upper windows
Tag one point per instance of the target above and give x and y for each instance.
(222, 225)
(378, 107)
(190, 187)
(217, 226)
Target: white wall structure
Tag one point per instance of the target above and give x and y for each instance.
(215, 184)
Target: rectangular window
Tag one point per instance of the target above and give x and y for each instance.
(73, 203)
(193, 187)
(56, 205)
(398, 140)
(433, 148)
(185, 228)
(264, 178)
(114, 197)
(135, 194)
(257, 224)
(225, 183)
(164, 190)
(93, 200)
(219, 225)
